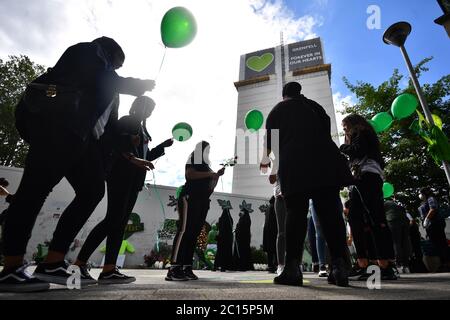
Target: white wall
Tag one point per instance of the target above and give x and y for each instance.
(148, 207)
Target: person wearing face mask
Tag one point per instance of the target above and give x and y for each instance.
(124, 183)
(193, 207)
(63, 115)
(434, 224)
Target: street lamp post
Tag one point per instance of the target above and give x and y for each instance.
(396, 35)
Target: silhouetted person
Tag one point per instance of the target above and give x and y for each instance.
(224, 255)
(362, 147)
(193, 207)
(242, 252)
(310, 167)
(124, 183)
(63, 115)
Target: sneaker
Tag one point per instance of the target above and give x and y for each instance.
(356, 272)
(291, 275)
(388, 274)
(19, 281)
(53, 272)
(323, 273)
(114, 277)
(406, 270)
(189, 273)
(57, 273)
(176, 274)
(86, 278)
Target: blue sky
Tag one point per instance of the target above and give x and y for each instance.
(359, 53)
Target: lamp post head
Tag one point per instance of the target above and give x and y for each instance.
(397, 34)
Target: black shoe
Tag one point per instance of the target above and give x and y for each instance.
(19, 281)
(338, 273)
(114, 277)
(86, 278)
(291, 275)
(364, 275)
(356, 272)
(189, 273)
(57, 273)
(388, 274)
(53, 272)
(176, 274)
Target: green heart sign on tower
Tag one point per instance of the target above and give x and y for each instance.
(260, 63)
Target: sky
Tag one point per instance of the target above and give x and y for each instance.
(195, 84)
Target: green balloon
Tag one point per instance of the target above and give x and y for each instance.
(388, 190)
(182, 132)
(404, 106)
(374, 126)
(178, 27)
(254, 120)
(383, 121)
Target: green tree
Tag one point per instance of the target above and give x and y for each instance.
(15, 74)
(409, 167)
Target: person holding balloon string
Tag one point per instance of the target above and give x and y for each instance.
(363, 149)
(124, 183)
(193, 207)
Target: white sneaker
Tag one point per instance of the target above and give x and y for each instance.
(323, 273)
(406, 270)
(280, 269)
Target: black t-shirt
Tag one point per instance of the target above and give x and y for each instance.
(201, 187)
(308, 157)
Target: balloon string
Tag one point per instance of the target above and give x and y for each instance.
(162, 62)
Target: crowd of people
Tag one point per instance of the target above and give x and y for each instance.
(69, 116)
(376, 232)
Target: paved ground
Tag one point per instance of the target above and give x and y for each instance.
(150, 285)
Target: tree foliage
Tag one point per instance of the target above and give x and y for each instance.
(15, 74)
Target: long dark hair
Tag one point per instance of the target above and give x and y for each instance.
(357, 125)
(146, 103)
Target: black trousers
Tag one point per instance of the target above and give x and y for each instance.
(436, 234)
(369, 193)
(327, 203)
(52, 156)
(402, 243)
(192, 210)
(122, 196)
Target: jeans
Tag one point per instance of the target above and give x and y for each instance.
(321, 245)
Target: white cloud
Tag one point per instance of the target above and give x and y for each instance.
(196, 82)
(340, 101)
